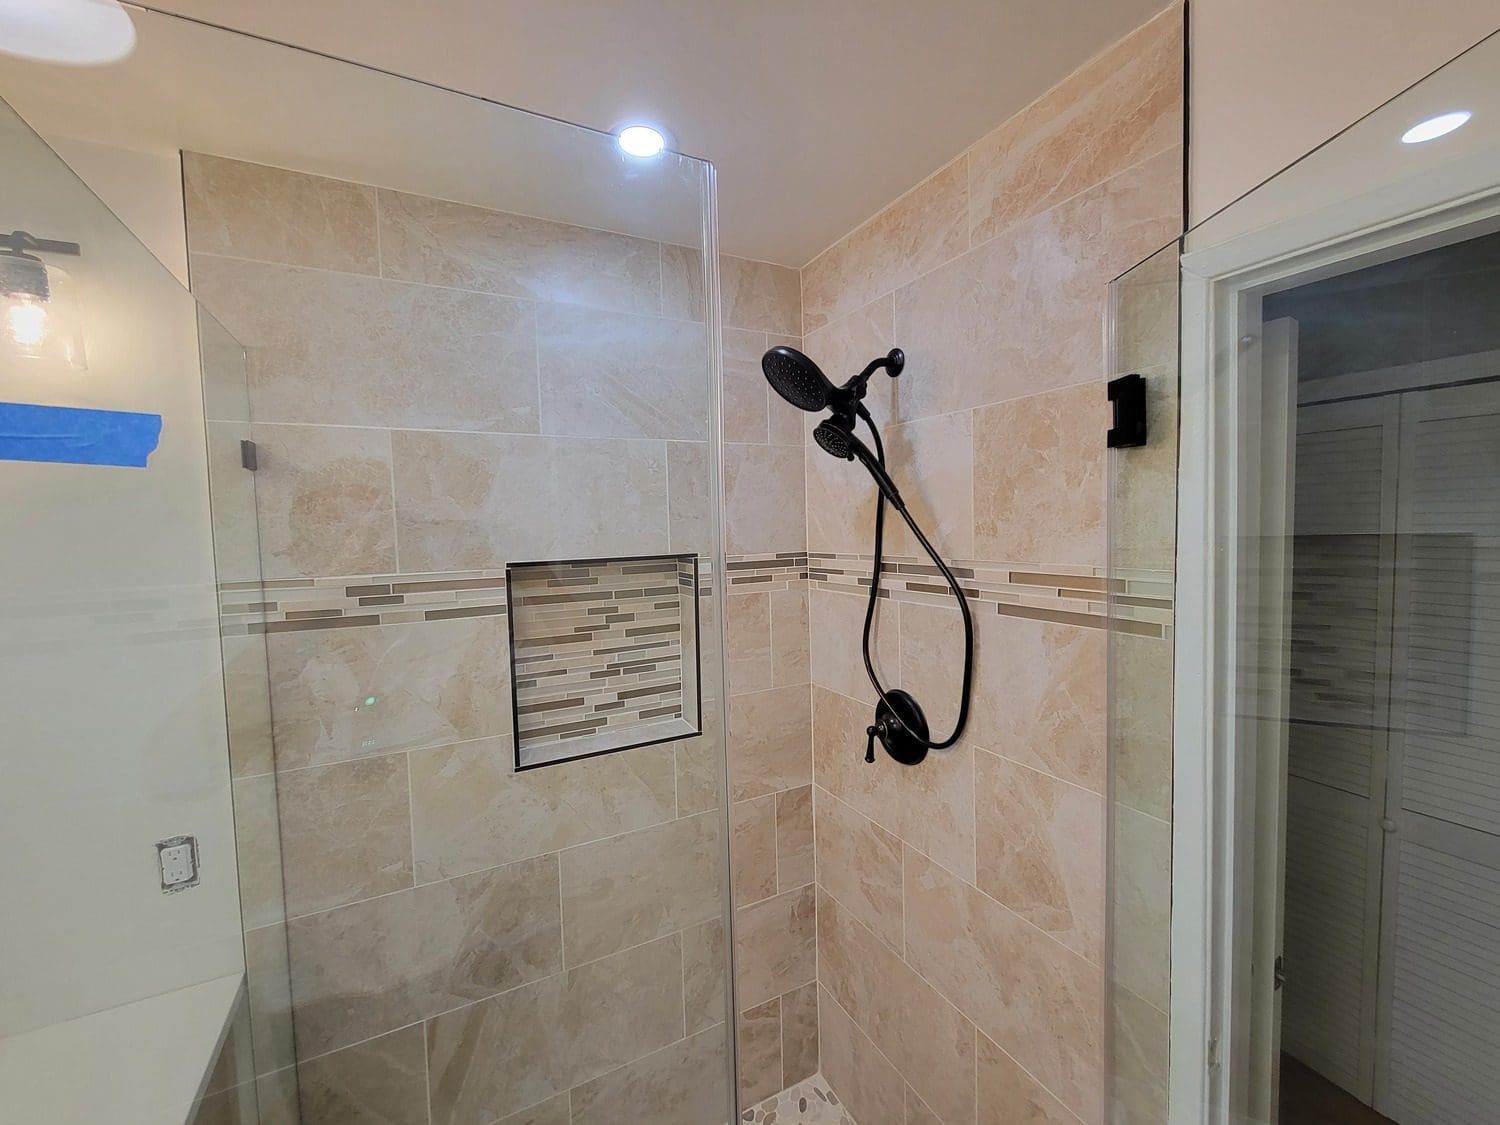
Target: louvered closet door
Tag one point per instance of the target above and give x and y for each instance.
(1344, 516)
(1440, 1020)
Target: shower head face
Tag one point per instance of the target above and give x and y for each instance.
(834, 439)
(797, 379)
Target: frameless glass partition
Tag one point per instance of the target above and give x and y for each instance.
(470, 631)
(1305, 844)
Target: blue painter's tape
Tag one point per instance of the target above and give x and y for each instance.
(68, 435)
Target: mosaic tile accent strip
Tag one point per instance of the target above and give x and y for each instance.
(810, 1102)
(604, 655)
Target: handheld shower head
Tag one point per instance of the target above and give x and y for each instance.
(837, 437)
(797, 379)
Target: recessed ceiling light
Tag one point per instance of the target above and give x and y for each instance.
(1435, 127)
(73, 32)
(641, 140)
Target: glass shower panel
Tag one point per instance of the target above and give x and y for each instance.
(482, 375)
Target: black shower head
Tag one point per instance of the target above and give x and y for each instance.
(836, 436)
(797, 379)
(835, 439)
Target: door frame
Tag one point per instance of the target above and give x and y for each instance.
(1214, 869)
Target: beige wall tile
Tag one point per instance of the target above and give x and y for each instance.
(337, 349)
(685, 1083)
(257, 838)
(1010, 1096)
(1039, 478)
(247, 701)
(1142, 905)
(274, 215)
(700, 771)
(790, 662)
(346, 832)
(1140, 1050)
(918, 1112)
(705, 970)
(1041, 851)
(468, 501)
(517, 1049)
(1039, 1001)
(470, 810)
(933, 465)
(1039, 697)
(1118, 109)
(794, 838)
(606, 374)
(692, 513)
(642, 885)
(759, 1046)
(775, 946)
(1023, 313)
(323, 501)
(268, 983)
(451, 244)
(747, 395)
(837, 627)
(924, 1035)
(770, 741)
(379, 1082)
(799, 1034)
(1141, 734)
(752, 848)
(373, 966)
(682, 282)
(747, 641)
(764, 506)
(760, 296)
(860, 1075)
(874, 788)
(859, 863)
(434, 682)
(553, 1111)
(922, 229)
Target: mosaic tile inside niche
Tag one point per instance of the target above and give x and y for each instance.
(603, 655)
(810, 1102)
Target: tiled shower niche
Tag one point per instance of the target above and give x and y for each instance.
(603, 655)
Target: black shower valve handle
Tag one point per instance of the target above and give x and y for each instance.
(872, 733)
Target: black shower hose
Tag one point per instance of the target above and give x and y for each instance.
(963, 607)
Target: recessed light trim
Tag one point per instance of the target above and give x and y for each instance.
(71, 32)
(1432, 128)
(641, 141)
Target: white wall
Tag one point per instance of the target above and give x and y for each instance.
(1273, 79)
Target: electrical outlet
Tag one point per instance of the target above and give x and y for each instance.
(178, 859)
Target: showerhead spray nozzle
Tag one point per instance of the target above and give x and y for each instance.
(836, 436)
(797, 379)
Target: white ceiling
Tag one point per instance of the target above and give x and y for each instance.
(815, 112)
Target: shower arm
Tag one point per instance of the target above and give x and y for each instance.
(878, 471)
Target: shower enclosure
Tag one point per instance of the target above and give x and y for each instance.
(374, 717)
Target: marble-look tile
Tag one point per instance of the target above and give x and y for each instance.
(1118, 109)
(370, 967)
(705, 971)
(1041, 851)
(1140, 1050)
(379, 1082)
(692, 513)
(231, 498)
(794, 838)
(1142, 905)
(432, 683)
(752, 848)
(684, 1083)
(452, 244)
(323, 501)
(1024, 312)
(747, 622)
(1141, 728)
(1039, 477)
(268, 984)
(932, 462)
(907, 1019)
(775, 946)
(247, 210)
(345, 832)
(922, 229)
(855, 1069)
(1039, 1001)
(759, 1051)
(790, 662)
(554, 1111)
(1039, 696)
(859, 863)
(747, 395)
(359, 351)
(471, 501)
(517, 1049)
(700, 770)
(642, 885)
(1010, 1096)
(682, 282)
(799, 1034)
(760, 296)
(470, 810)
(770, 742)
(837, 622)
(606, 374)
(247, 703)
(919, 1112)
(257, 838)
(874, 788)
(764, 499)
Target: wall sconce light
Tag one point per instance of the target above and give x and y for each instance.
(39, 313)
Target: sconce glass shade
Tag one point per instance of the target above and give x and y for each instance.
(40, 320)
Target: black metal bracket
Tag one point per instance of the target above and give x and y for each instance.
(1128, 396)
(20, 241)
